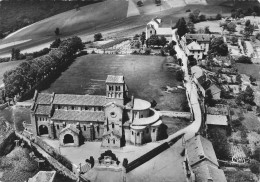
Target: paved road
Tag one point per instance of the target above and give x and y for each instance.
(191, 90)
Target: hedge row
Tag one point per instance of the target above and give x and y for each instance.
(30, 73)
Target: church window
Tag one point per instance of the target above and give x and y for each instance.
(100, 108)
(137, 134)
(108, 141)
(132, 133)
(98, 129)
(114, 141)
(141, 116)
(58, 106)
(84, 127)
(72, 107)
(111, 88)
(151, 32)
(113, 114)
(58, 126)
(113, 125)
(86, 107)
(117, 88)
(153, 130)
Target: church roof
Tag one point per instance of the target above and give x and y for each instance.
(115, 79)
(114, 132)
(43, 109)
(43, 98)
(164, 31)
(70, 127)
(199, 149)
(74, 115)
(217, 120)
(79, 100)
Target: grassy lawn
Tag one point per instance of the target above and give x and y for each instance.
(146, 77)
(239, 176)
(249, 69)
(213, 26)
(19, 14)
(7, 66)
(174, 124)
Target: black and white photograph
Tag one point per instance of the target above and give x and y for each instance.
(129, 91)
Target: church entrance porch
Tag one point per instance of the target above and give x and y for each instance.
(68, 139)
(43, 130)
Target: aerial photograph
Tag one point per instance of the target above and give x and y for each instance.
(129, 91)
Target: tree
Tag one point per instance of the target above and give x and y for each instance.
(234, 40)
(192, 60)
(162, 41)
(231, 27)
(142, 38)
(57, 31)
(209, 98)
(244, 59)
(158, 2)
(206, 30)
(218, 16)
(256, 155)
(218, 47)
(249, 29)
(56, 43)
(153, 41)
(15, 54)
(202, 17)
(254, 167)
(190, 26)
(218, 137)
(193, 18)
(180, 75)
(172, 52)
(181, 27)
(247, 23)
(140, 3)
(97, 37)
(254, 14)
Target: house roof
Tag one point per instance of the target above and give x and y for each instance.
(80, 100)
(43, 176)
(74, 115)
(214, 89)
(197, 71)
(43, 109)
(140, 104)
(194, 46)
(219, 109)
(164, 31)
(217, 120)
(198, 149)
(206, 172)
(198, 37)
(43, 98)
(70, 127)
(115, 79)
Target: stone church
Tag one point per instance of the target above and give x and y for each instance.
(114, 119)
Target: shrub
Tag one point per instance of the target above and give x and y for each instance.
(97, 37)
(254, 167)
(147, 51)
(244, 59)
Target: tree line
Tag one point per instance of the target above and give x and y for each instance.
(29, 73)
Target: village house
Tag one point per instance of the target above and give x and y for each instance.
(218, 116)
(154, 27)
(114, 118)
(196, 45)
(203, 161)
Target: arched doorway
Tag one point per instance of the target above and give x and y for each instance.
(68, 139)
(43, 130)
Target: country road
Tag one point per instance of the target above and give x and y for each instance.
(191, 90)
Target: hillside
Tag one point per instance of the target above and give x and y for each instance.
(15, 15)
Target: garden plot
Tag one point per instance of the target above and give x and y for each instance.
(238, 155)
(213, 26)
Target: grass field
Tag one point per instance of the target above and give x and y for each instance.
(146, 76)
(7, 66)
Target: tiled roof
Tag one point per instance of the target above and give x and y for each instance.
(74, 115)
(206, 172)
(217, 120)
(43, 109)
(115, 79)
(199, 148)
(44, 98)
(214, 89)
(194, 46)
(114, 132)
(80, 100)
(218, 110)
(198, 37)
(164, 31)
(70, 127)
